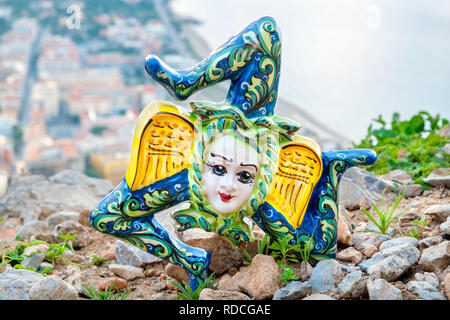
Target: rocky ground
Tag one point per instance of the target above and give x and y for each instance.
(368, 265)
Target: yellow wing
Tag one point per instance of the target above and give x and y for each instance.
(299, 169)
(161, 144)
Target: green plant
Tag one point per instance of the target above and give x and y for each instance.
(186, 293)
(385, 217)
(31, 268)
(417, 232)
(281, 251)
(411, 145)
(287, 274)
(263, 248)
(110, 293)
(305, 247)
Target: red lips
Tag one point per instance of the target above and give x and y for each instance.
(225, 197)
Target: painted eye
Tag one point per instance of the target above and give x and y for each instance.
(245, 177)
(219, 170)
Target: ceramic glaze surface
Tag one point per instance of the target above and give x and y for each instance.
(228, 160)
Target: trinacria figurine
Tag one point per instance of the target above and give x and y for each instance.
(228, 160)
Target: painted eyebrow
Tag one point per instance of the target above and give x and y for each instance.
(249, 165)
(218, 155)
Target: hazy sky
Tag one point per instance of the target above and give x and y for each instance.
(346, 62)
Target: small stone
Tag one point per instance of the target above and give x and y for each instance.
(171, 286)
(128, 254)
(398, 176)
(295, 290)
(83, 236)
(430, 241)
(445, 227)
(439, 177)
(352, 286)
(34, 261)
(370, 250)
(398, 241)
(324, 275)
(424, 290)
(380, 289)
(53, 288)
(344, 231)
(176, 272)
(429, 277)
(305, 271)
(406, 251)
(109, 253)
(365, 203)
(412, 190)
(390, 268)
(127, 272)
(42, 248)
(31, 228)
(15, 284)
(350, 255)
(7, 234)
(60, 217)
(119, 284)
(442, 211)
(435, 258)
(318, 296)
(210, 294)
(446, 284)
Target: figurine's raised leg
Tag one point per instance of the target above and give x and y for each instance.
(321, 216)
(250, 60)
(129, 215)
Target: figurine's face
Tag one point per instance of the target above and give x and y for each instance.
(230, 171)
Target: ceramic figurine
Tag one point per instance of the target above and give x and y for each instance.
(229, 160)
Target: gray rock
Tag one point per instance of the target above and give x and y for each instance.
(352, 286)
(372, 227)
(429, 277)
(34, 261)
(430, 241)
(436, 258)
(398, 176)
(380, 289)
(318, 296)
(53, 288)
(62, 216)
(412, 190)
(15, 284)
(348, 268)
(210, 294)
(424, 290)
(41, 248)
(32, 228)
(357, 184)
(442, 211)
(29, 197)
(390, 268)
(399, 241)
(405, 251)
(127, 272)
(324, 275)
(439, 177)
(361, 240)
(83, 236)
(293, 291)
(445, 227)
(128, 254)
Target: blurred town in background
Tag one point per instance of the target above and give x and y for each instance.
(72, 81)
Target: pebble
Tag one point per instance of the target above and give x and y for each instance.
(370, 250)
(324, 275)
(439, 177)
(380, 289)
(176, 272)
(42, 248)
(109, 253)
(318, 296)
(31, 228)
(440, 210)
(429, 277)
(295, 290)
(436, 258)
(446, 284)
(352, 286)
(350, 255)
(119, 285)
(34, 261)
(430, 241)
(127, 272)
(15, 284)
(53, 288)
(424, 290)
(128, 254)
(210, 294)
(398, 241)
(60, 217)
(445, 227)
(83, 235)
